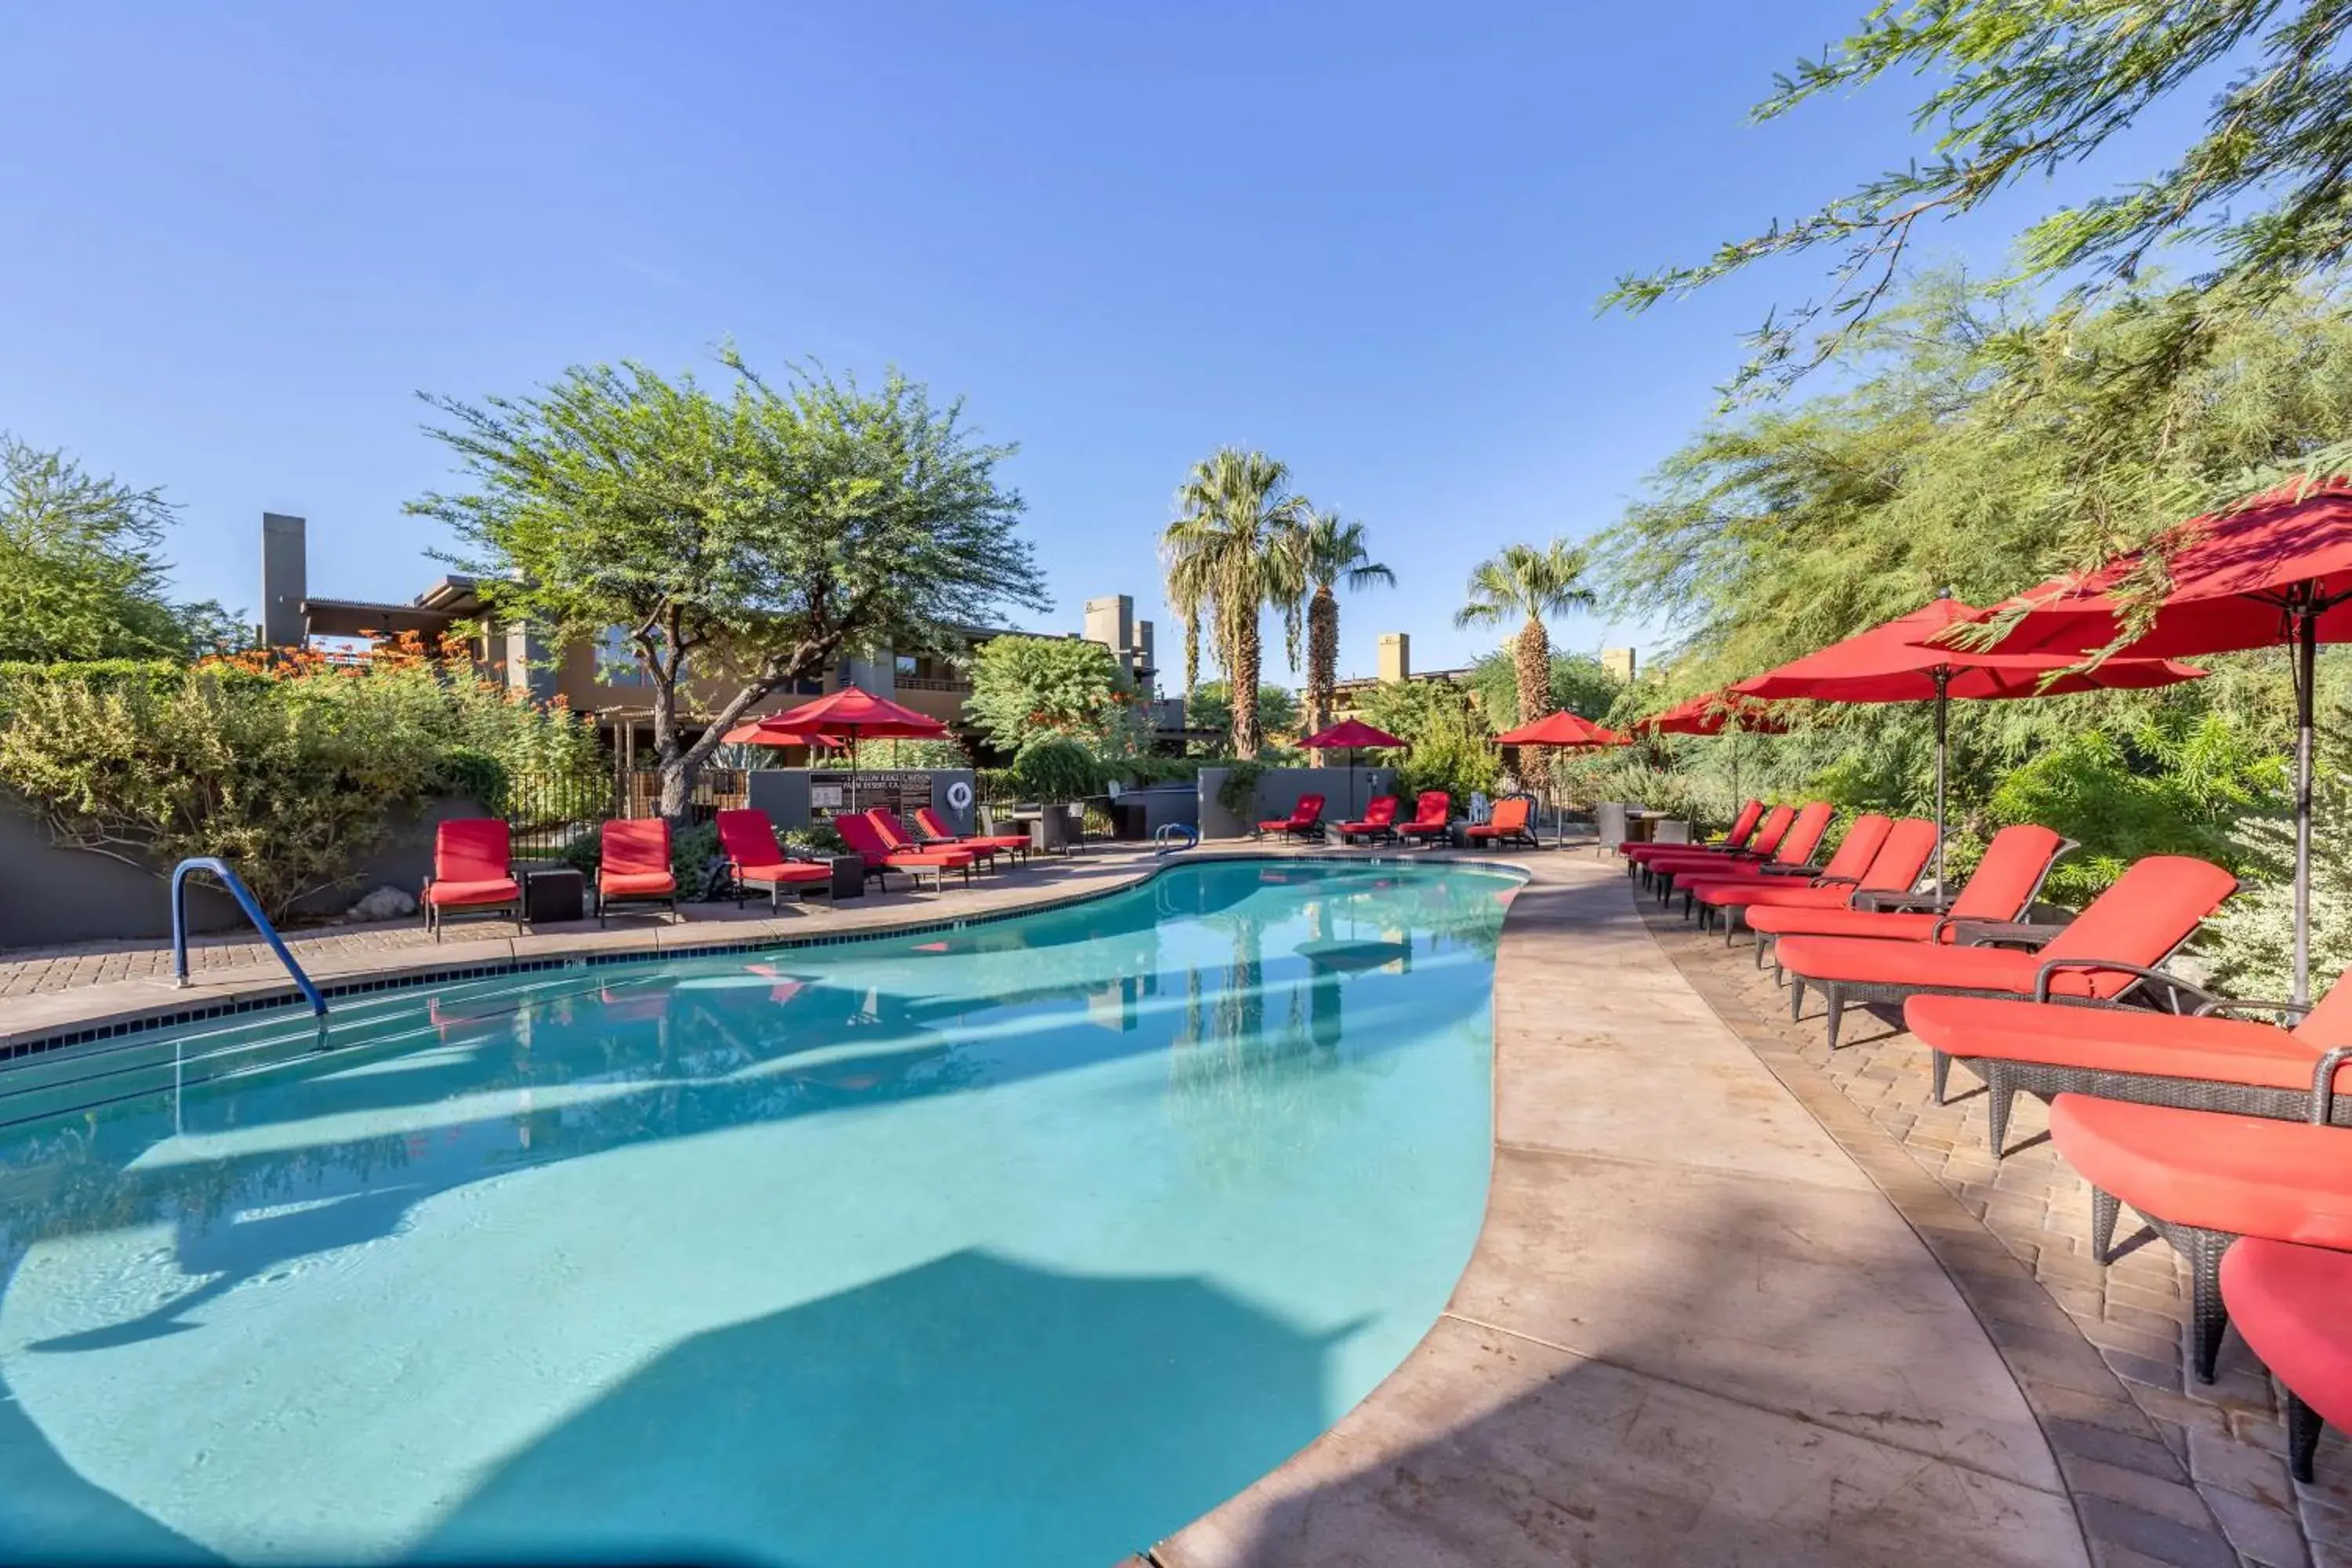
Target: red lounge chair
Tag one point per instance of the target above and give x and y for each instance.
(2111, 950)
(1775, 836)
(2205, 1062)
(633, 868)
(935, 834)
(2202, 1180)
(1377, 822)
(902, 842)
(754, 858)
(2007, 881)
(865, 839)
(1432, 817)
(1762, 843)
(1743, 828)
(1794, 852)
(473, 871)
(1304, 821)
(1902, 852)
(1509, 824)
(2288, 1303)
(1855, 853)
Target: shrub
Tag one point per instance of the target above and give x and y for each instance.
(1058, 768)
(817, 838)
(289, 769)
(1237, 791)
(1452, 757)
(1027, 687)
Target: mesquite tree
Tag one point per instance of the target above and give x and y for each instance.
(2019, 89)
(755, 535)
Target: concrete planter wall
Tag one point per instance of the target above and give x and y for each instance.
(1278, 790)
(58, 895)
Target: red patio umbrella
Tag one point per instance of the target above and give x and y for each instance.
(853, 713)
(1350, 736)
(1565, 730)
(1893, 663)
(1561, 729)
(2278, 570)
(1712, 713)
(762, 732)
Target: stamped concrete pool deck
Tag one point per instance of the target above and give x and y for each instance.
(1694, 1328)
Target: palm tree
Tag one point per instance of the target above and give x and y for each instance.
(1232, 551)
(1334, 550)
(1526, 585)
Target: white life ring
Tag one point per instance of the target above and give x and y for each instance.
(960, 796)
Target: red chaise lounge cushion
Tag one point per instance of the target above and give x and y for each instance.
(2248, 1176)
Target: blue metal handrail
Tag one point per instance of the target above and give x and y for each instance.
(245, 900)
(1169, 835)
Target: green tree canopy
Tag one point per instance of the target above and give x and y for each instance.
(1980, 449)
(82, 574)
(1211, 706)
(760, 532)
(1579, 685)
(2020, 90)
(1023, 688)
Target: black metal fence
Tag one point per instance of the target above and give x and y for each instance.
(549, 812)
(714, 790)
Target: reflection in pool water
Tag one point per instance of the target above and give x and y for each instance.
(1024, 1242)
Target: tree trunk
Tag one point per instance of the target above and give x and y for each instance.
(1242, 673)
(1322, 664)
(1533, 656)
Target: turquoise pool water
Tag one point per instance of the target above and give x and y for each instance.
(1024, 1243)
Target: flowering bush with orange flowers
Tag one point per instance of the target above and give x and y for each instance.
(288, 764)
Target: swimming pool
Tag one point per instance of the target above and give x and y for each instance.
(1024, 1242)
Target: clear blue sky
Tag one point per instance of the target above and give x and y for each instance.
(1366, 237)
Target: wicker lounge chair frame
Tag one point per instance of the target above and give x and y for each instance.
(2202, 1248)
(2005, 1079)
(2303, 1424)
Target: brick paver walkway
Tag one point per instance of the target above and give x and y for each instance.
(2127, 1461)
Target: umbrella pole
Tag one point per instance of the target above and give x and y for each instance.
(1943, 745)
(2306, 672)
